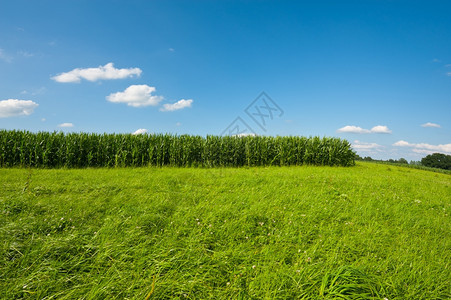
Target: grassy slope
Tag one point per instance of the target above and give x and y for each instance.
(279, 232)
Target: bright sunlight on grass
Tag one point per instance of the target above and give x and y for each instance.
(367, 232)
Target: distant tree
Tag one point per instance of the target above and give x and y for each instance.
(358, 157)
(391, 160)
(415, 163)
(402, 161)
(437, 160)
(367, 158)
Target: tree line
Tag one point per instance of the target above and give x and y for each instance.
(435, 160)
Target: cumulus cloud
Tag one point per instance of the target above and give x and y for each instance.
(66, 125)
(357, 129)
(106, 72)
(15, 107)
(429, 124)
(380, 129)
(140, 131)
(244, 134)
(181, 104)
(353, 129)
(425, 148)
(361, 146)
(136, 96)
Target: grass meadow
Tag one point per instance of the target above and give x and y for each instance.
(371, 231)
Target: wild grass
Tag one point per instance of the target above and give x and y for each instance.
(413, 166)
(368, 232)
(81, 150)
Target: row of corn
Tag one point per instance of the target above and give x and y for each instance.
(79, 150)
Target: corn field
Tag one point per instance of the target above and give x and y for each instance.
(80, 150)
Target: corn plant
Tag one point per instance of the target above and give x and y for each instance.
(80, 150)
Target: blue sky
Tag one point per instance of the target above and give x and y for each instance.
(377, 73)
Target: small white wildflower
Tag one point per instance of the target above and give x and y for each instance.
(253, 267)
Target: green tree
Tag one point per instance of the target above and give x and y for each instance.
(437, 160)
(402, 161)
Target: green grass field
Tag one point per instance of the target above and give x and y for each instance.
(366, 232)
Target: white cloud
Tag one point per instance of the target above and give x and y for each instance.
(449, 73)
(66, 125)
(423, 151)
(136, 96)
(429, 124)
(106, 72)
(244, 134)
(25, 53)
(380, 129)
(34, 92)
(5, 57)
(425, 148)
(357, 129)
(140, 131)
(365, 147)
(171, 49)
(353, 129)
(181, 104)
(15, 107)
(401, 143)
